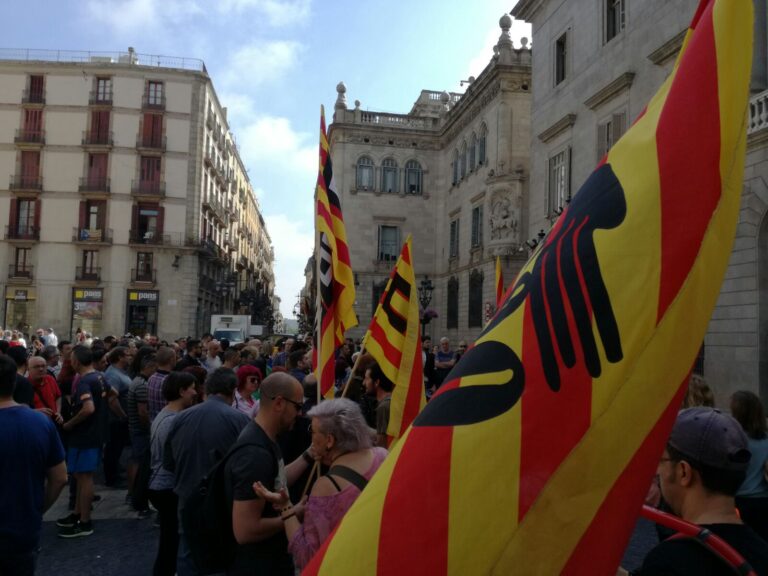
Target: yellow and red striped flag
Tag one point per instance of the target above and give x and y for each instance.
(499, 283)
(393, 340)
(536, 453)
(336, 283)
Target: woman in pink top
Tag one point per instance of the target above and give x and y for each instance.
(342, 440)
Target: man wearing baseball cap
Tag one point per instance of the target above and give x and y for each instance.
(702, 467)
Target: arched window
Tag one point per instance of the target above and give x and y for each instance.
(452, 316)
(455, 165)
(413, 177)
(472, 152)
(365, 173)
(475, 309)
(463, 161)
(481, 145)
(389, 176)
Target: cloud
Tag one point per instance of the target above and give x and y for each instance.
(278, 13)
(293, 246)
(260, 63)
(126, 17)
(480, 61)
(271, 143)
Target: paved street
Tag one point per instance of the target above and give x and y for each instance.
(123, 545)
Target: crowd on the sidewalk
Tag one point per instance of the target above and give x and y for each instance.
(224, 440)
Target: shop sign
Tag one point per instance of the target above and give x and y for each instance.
(145, 296)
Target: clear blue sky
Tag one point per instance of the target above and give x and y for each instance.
(273, 62)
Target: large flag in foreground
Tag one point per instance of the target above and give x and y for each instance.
(499, 283)
(336, 283)
(393, 340)
(536, 453)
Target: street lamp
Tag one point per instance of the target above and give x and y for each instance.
(425, 297)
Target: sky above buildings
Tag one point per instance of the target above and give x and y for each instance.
(273, 63)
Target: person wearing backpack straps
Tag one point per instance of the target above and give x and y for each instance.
(342, 440)
(702, 466)
(256, 457)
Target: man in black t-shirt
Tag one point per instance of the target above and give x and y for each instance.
(258, 528)
(87, 428)
(702, 466)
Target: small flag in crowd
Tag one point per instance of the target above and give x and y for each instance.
(336, 284)
(393, 340)
(537, 451)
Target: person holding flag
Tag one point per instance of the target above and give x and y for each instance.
(540, 445)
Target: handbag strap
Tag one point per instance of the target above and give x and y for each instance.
(349, 475)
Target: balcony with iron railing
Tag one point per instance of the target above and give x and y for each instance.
(92, 235)
(151, 142)
(153, 102)
(88, 274)
(94, 184)
(29, 137)
(143, 236)
(20, 182)
(154, 188)
(33, 97)
(20, 273)
(100, 98)
(22, 232)
(98, 138)
(142, 276)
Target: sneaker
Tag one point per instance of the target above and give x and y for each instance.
(68, 521)
(79, 529)
(144, 513)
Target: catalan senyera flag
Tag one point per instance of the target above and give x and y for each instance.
(535, 454)
(499, 283)
(393, 340)
(336, 284)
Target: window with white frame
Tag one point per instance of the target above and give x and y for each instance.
(365, 173)
(463, 161)
(559, 185)
(453, 247)
(609, 132)
(389, 176)
(561, 58)
(477, 226)
(614, 18)
(389, 243)
(413, 177)
(481, 145)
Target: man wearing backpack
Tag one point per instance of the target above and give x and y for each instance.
(262, 546)
(197, 440)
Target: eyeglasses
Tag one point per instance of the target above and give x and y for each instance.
(298, 405)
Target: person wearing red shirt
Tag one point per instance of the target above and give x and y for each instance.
(47, 394)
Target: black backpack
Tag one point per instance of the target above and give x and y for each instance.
(207, 520)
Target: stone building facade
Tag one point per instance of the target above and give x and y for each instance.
(128, 208)
(595, 66)
(453, 174)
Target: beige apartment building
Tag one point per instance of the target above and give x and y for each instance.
(452, 172)
(128, 207)
(595, 66)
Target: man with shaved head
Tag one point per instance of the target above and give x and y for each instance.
(258, 528)
(47, 394)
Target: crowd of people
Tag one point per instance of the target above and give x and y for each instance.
(184, 409)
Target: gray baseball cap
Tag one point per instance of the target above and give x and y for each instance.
(710, 437)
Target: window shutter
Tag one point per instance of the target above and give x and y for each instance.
(567, 174)
(13, 214)
(619, 126)
(101, 219)
(83, 216)
(38, 204)
(602, 140)
(160, 221)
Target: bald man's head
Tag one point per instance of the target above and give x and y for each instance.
(280, 384)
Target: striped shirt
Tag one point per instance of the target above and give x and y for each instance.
(155, 399)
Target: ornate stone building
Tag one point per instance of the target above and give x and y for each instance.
(595, 66)
(128, 207)
(452, 173)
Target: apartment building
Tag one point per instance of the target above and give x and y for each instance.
(128, 206)
(452, 172)
(595, 66)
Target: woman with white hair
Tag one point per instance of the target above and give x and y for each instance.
(342, 440)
